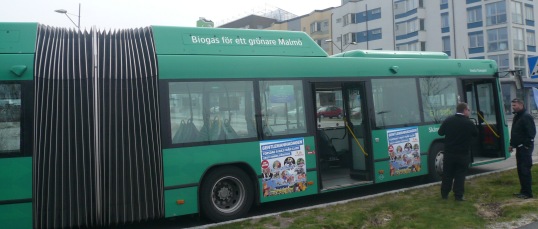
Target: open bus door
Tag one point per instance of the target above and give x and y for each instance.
(481, 96)
(342, 135)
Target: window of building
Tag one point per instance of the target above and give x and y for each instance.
(497, 39)
(496, 13)
(444, 2)
(474, 15)
(346, 38)
(411, 4)
(390, 111)
(518, 39)
(476, 40)
(399, 7)
(519, 63)
(446, 44)
(315, 27)
(407, 27)
(319, 26)
(401, 29)
(349, 19)
(517, 12)
(531, 38)
(10, 118)
(444, 20)
(529, 12)
(282, 107)
(415, 46)
(338, 20)
(211, 111)
(502, 60)
(439, 96)
(404, 6)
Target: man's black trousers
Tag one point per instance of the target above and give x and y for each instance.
(524, 165)
(454, 170)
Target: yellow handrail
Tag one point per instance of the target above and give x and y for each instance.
(495, 133)
(356, 140)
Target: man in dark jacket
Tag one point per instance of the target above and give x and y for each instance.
(522, 139)
(458, 131)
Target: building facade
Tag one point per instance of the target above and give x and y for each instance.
(501, 30)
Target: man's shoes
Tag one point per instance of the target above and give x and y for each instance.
(460, 199)
(523, 196)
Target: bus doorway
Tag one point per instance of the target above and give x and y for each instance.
(481, 96)
(342, 137)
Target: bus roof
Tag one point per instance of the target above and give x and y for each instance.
(392, 54)
(233, 42)
(17, 37)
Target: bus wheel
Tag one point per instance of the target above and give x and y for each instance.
(435, 162)
(226, 194)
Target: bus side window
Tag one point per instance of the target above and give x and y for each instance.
(395, 101)
(282, 106)
(211, 111)
(10, 118)
(438, 98)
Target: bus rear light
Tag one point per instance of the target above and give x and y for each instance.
(179, 202)
(310, 183)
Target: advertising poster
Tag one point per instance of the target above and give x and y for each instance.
(283, 166)
(404, 150)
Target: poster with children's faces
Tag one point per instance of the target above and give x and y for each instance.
(403, 150)
(283, 166)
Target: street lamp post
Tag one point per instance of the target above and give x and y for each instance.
(62, 11)
(341, 49)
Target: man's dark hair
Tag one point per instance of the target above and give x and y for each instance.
(461, 107)
(518, 100)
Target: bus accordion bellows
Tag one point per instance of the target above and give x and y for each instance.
(102, 128)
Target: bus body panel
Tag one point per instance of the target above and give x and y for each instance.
(186, 166)
(427, 135)
(17, 37)
(16, 66)
(232, 42)
(16, 178)
(183, 67)
(189, 196)
(16, 215)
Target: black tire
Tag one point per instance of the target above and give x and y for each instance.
(435, 162)
(226, 194)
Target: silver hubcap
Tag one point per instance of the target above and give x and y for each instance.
(439, 162)
(228, 194)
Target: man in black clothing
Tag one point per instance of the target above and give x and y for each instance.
(522, 139)
(458, 131)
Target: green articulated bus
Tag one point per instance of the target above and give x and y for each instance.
(102, 128)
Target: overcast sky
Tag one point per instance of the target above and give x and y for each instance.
(138, 13)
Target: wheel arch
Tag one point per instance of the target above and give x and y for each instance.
(432, 174)
(435, 142)
(247, 169)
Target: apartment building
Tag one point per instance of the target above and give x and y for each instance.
(502, 30)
